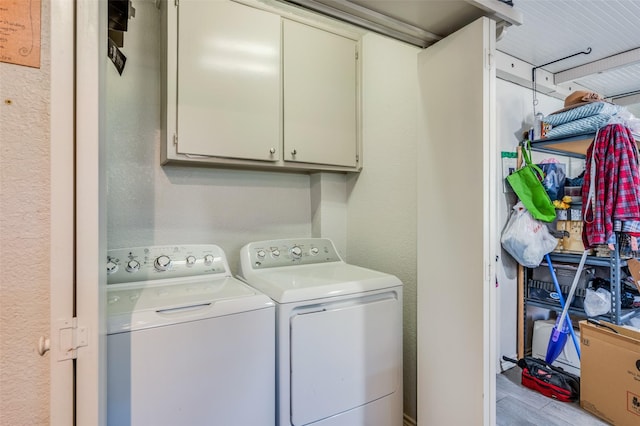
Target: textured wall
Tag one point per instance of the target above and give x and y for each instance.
(24, 238)
(381, 224)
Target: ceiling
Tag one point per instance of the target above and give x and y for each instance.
(534, 31)
(552, 30)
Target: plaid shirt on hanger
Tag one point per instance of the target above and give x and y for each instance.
(617, 187)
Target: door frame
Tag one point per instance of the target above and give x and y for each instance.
(62, 262)
(78, 225)
(90, 187)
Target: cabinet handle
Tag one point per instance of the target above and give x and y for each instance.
(294, 152)
(272, 150)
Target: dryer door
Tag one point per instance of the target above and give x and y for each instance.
(344, 355)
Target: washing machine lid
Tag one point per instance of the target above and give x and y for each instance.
(307, 282)
(153, 304)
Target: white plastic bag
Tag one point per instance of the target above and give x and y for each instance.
(597, 302)
(525, 238)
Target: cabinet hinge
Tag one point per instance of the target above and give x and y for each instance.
(357, 158)
(177, 2)
(70, 338)
(356, 55)
(175, 139)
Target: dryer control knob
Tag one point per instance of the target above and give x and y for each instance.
(133, 266)
(208, 259)
(111, 267)
(190, 260)
(296, 252)
(261, 254)
(162, 263)
(314, 251)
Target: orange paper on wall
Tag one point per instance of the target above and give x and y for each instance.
(20, 32)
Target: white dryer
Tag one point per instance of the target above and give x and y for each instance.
(187, 344)
(339, 334)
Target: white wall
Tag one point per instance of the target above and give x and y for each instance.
(381, 222)
(515, 115)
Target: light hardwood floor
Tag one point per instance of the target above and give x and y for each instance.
(517, 405)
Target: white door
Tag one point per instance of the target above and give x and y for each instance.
(456, 229)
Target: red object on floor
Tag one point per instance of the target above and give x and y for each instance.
(547, 379)
(545, 387)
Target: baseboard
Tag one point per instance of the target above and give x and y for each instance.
(408, 421)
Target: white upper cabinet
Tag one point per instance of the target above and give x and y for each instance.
(320, 115)
(228, 80)
(259, 87)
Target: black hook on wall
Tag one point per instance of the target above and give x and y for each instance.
(533, 73)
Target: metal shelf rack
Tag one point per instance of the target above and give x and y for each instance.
(576, 146)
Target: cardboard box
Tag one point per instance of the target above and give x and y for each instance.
(634, 268)
(610, 373)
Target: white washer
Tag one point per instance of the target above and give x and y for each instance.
(187, 344)
(338, 334)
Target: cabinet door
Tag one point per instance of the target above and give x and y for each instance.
(320, 117)
(228, 80)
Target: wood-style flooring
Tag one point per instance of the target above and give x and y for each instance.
(517, 405)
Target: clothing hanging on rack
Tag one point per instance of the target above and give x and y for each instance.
(611, 188)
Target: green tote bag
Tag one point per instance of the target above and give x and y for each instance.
(527, 184)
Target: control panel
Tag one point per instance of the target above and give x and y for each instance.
(159, 262)
(289, 252)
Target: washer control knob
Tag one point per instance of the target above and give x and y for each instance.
(208, 259)
(275, 252)
(261, 254)
(111, 267)
(314, 251)
(162, 262)
(133, 266)
(190, 260)
(296, 252)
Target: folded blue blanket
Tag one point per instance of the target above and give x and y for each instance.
(588, 110)
(583, 125)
